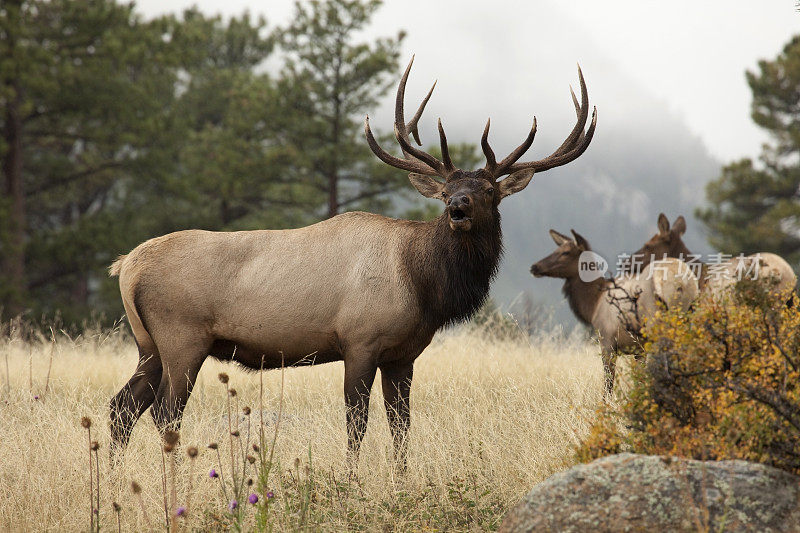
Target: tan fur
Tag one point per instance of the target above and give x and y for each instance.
(674, 283)
(255, 288)
(116, 266)
(715, 279)
(718, 279)
(617, 319)
(336, 290)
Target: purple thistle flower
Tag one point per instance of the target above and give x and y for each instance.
(36, 397)
(233, 505)
(213, 473)
(269, 494)
(180, 511)
(253, 499)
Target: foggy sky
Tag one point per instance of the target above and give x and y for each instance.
(511, 59)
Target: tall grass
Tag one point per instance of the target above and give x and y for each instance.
(491, 416)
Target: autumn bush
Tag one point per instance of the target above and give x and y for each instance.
(720, 381)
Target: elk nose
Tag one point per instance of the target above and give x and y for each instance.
(534, 269)
(458, 200)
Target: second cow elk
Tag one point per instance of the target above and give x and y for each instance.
(615, 308)
(713, 278)
(360, 288)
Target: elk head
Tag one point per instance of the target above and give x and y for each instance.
(471, 197)
(666, 243)
(564, 261)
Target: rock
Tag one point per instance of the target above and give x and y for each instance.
(630, 492)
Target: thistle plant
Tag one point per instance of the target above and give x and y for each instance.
(94, 472)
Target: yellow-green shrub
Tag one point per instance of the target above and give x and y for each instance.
(720, 382)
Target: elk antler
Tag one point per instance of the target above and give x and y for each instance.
(573, 146)
(415, 160)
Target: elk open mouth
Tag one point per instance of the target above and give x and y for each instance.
(459, 220)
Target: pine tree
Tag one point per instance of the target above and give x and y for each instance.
(755, 207)
(330, 81)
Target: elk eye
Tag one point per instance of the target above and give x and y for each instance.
(490, 191)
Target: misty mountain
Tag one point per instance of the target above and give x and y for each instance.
(611, 195)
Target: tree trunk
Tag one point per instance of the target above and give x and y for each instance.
(13, 263)
(12, 297)
(333, 170)
(333, 195)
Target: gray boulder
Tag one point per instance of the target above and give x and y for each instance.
(630, 492)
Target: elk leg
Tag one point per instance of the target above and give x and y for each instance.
(132, 400)
(358, 379)
(396, 382)
(609, 356)
(172, 395)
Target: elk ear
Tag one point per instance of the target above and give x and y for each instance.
(580, 241)
(663, 224)
(679, 226)
(515, 182)
(427, 186)
(558, 238)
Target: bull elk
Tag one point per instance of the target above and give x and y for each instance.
(668, 242)
(358, 287)
(615, 308)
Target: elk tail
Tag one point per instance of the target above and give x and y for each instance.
(116, 266)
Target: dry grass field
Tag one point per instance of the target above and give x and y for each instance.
(491, 417)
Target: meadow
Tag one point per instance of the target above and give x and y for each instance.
(492, 415)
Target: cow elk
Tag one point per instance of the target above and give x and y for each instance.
(615, 308)
(360, 288)
(713, 278)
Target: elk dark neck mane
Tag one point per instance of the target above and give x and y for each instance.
(451, 271)
(583, 297)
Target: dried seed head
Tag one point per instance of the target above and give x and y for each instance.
(223, 377)
(297, 462)
(249, 482)
(255, 447)
(235, 433)
(136, 488)
(232, 392)
(192, 452)
(171, 437)
(246, 411)
(86, 422)
(94, 446)
(212, 446)
(117, 507)
(251, 459)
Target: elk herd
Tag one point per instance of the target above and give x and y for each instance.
(368, 290)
